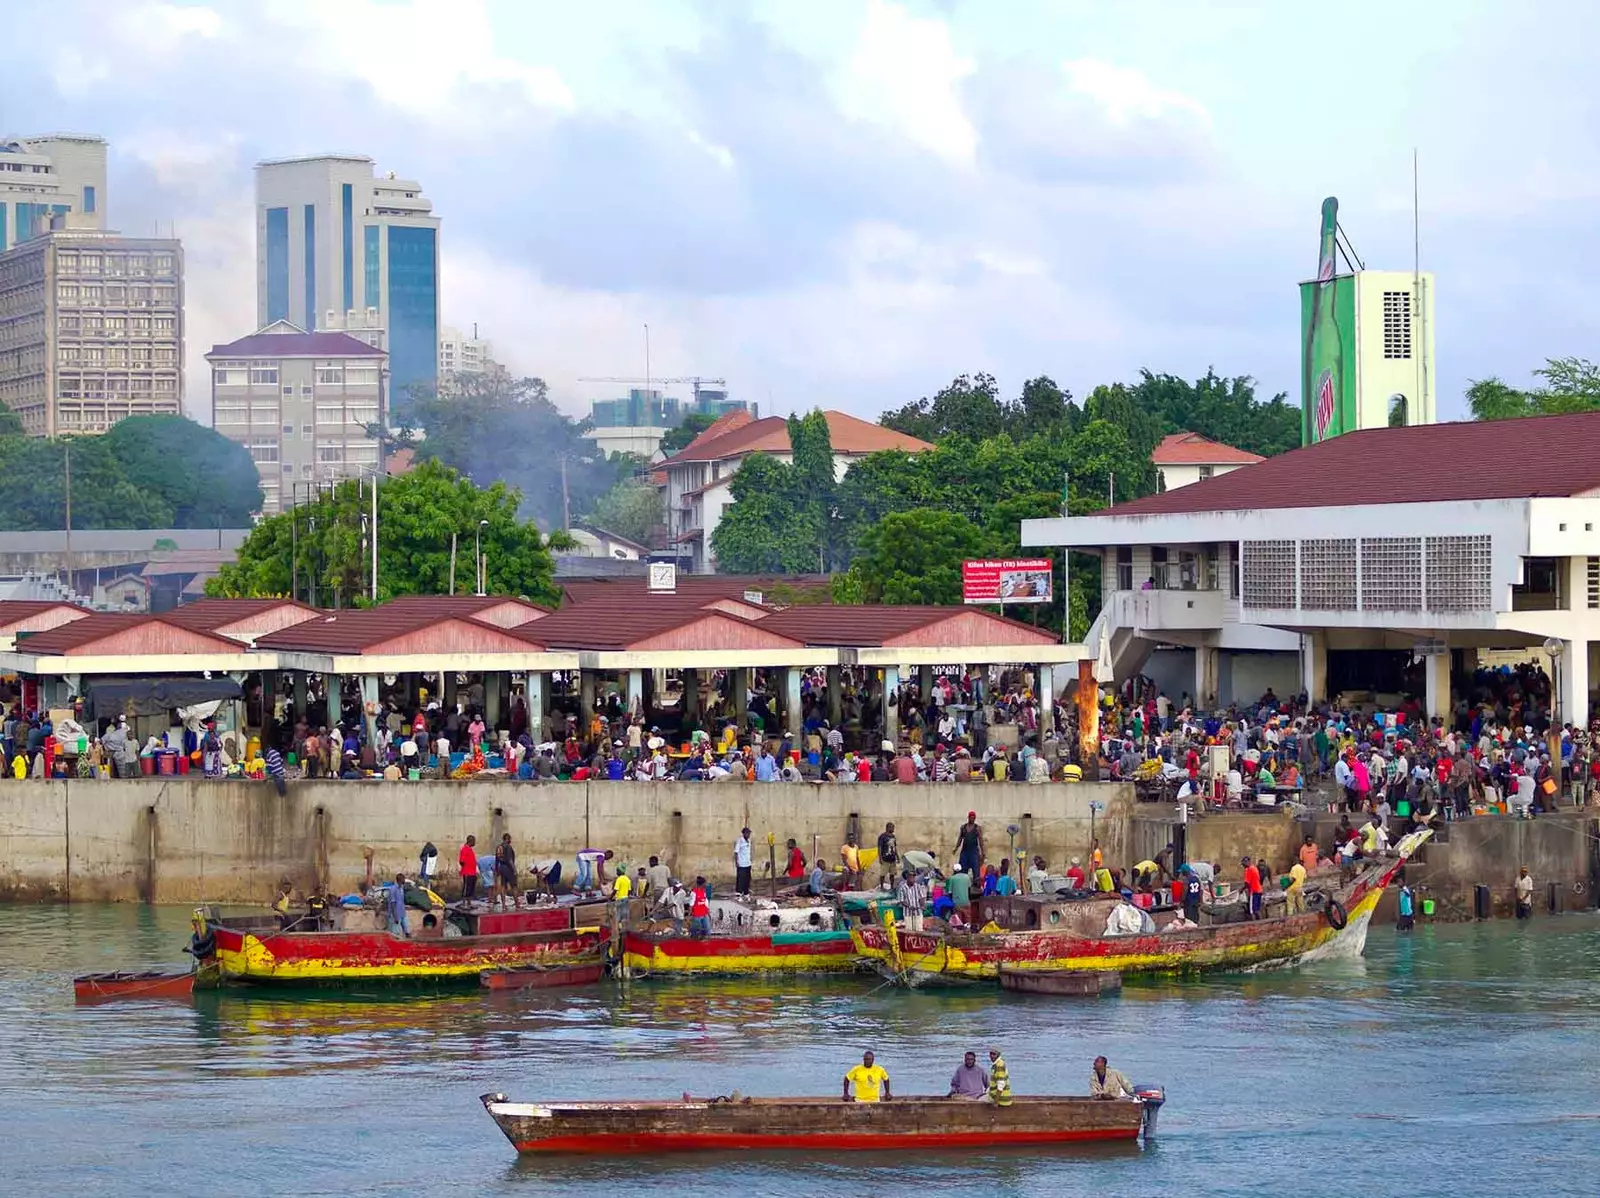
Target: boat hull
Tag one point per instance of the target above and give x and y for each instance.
(919, 1124)
(302, 958)
(791, 952)
(108, 987)
(542, 979)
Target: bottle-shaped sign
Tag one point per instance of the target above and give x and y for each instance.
(1324, 349)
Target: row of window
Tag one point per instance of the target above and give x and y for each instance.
(138, 295)
(117, 355)
(135, 264)
(230, 374)
(74, 387)
(114, 325)
(329, 416)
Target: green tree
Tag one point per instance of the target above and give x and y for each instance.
(633, 509)
(206, 479)
(10, 423)
(767, 529)
(678, 438)
(1568, 385)
(33, 487)
(914, 557)
(1493, 399)
(418, 513)
(970, 407)
(493, 428)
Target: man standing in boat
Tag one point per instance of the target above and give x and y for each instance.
(969, 845)
(1105, 1082)
(871, 1081)
(741, 864)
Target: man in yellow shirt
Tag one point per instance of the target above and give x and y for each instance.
(869, 1079)
(1295, 896)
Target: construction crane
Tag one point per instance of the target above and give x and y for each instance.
(694, 381)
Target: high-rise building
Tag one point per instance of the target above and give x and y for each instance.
(638, 423)
(459, 354)
(340, 248)
(304, 405)
(91, 330)
(59, 181)
(1366, 346)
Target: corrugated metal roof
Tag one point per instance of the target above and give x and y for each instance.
(704, 586)
(13, 610)
(617, 620)
(1425, 463)
(99, 626)
(355, 630)
(211, 614)
(456, 605)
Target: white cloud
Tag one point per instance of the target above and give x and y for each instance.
(422, 57)
(1126, 94)
(151, 32)
(904, 71)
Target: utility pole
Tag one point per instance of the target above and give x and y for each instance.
(375, 531)
(294, 541)
(67, 447)
(452, 584)
(566, 499)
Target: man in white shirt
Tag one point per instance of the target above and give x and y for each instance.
(741, 863)
(1524, 893)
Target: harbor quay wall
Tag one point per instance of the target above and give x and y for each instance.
(193, 840)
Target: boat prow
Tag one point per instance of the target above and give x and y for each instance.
(734, 1123)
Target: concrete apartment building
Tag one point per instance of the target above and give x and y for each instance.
(301, 403)
(339, 248)
(91, 330)
(460, 354)
(46, 178)
(1184, 458)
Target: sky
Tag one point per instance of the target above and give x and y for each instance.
(846, 203)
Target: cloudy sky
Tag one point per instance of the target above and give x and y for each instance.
(847, 203)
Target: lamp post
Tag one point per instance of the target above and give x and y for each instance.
(477, 553)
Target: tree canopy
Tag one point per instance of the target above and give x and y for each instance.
(208, 480)
(493, 428)
(785, 517)
(693, 425)
(633, 508)
(1567, 385)
(418, 513)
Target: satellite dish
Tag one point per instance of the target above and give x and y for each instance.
(1555, 646)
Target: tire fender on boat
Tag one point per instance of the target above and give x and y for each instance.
(1336, 916)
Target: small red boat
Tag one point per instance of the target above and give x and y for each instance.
(542, 979)
(155, 983)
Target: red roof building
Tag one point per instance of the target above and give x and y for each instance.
(1184, 458)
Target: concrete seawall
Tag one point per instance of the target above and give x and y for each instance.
(189, 840)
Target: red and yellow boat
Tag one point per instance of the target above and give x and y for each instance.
(1335, 927)
(645, 953)
(447, 945)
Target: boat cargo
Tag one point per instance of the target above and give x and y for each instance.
(828, 1124)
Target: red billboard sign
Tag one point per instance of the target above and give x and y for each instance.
(1008, 580)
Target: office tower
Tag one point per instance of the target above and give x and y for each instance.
(339, 248)
(46, 178)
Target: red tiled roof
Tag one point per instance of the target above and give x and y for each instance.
(723, 424)
(295, 345)
(1424, 463)
(1191, 449)
(846, 433)
(868, 626)
(358, 629)
(101, 625)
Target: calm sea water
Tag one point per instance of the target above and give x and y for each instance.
(1456, 1061)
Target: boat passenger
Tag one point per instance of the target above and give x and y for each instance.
(467, 860)
(796, 868)
(913, 896)
(969, 845)
(999, 1079)
(675, 902)
(395, 905)
(700, 910)
(1005, 885)
(850, 857)
(870, 1080)
(657, 878)
(1075, 876)
(1295, 894)
(818, 884)
(505, 873)
(281, 905)
(1038, 877)
(1253, 886)
(1105, 1082)
(969, 1081)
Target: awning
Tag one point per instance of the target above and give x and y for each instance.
(108, 697)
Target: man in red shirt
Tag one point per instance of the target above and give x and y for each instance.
(699, 910)
(1252, 884)
(1075, 875)
(468, 860)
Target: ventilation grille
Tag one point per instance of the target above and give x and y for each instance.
(1397, 325)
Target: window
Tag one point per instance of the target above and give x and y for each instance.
(1206, 472)
(165, 264)
(305, 432)
(67, 292)
(413, 306)
(264, 372)
(66, 324)
(330, 376)
(1397, 325)
(162, 324)
(1391, 573)
(360, 376)
(264, 451)
(277, 229)
(1593, 582)
(232, 413)
(66, 264)
(1459, 576)
(91, 264)
(1124, 568)
(230, 374)
(92, 293)
(1267, 570)
(330, 453)
(305, 389)
(330, 414)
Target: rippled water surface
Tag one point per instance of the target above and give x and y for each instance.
(1460, 1061)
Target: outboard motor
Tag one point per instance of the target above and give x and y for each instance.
(1151, 1097)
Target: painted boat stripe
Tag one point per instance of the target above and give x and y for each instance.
(644, 1142)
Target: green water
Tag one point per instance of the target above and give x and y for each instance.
(1460, 1061)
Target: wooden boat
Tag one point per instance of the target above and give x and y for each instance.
(542, 978)
(1338, 928)
(722, 1124)
(155, 983)
(1073, 982)
(646, 953)
(354, 945)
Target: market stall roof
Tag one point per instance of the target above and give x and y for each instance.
(34, 615)
(893, 635)
(410, 638)
(671, 632)
(131, 644)
(503, 611)
(774, 589)
(104, 697)
(242, 619)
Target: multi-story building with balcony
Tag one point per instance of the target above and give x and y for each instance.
(305, 405)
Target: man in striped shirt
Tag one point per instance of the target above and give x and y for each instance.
(276, 770)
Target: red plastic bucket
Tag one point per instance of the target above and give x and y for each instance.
(166, 763)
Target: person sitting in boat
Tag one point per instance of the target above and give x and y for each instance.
(871, 1081)
(818, 884)
(280, 905)
(1105, 1082)
(1038, 877)
(999, 1079)
(1127, 920)
(969, 1080)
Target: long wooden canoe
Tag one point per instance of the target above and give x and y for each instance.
(697, 1125)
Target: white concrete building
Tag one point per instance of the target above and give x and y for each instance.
(461, 354)
(341, 248)
(59, 178)
(1184, 458)
(91, 330)
(1380, 561)
(698, 475)
(301, 403)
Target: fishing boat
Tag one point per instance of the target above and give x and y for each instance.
(543, 977)
(734, 1123)
(449, 945)
(824, 951)
(148, 984)
(1075, 983)
(1070, 936)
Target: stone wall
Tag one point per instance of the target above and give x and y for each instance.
(187, 840)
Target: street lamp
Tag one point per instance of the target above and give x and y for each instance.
(477, 553)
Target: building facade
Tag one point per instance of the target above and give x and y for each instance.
(1382, 562)
(461, 354)
(91, 330)
(340, 248)
(60, 179)
(304, 405)
(639, 423)
(1184, 458)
